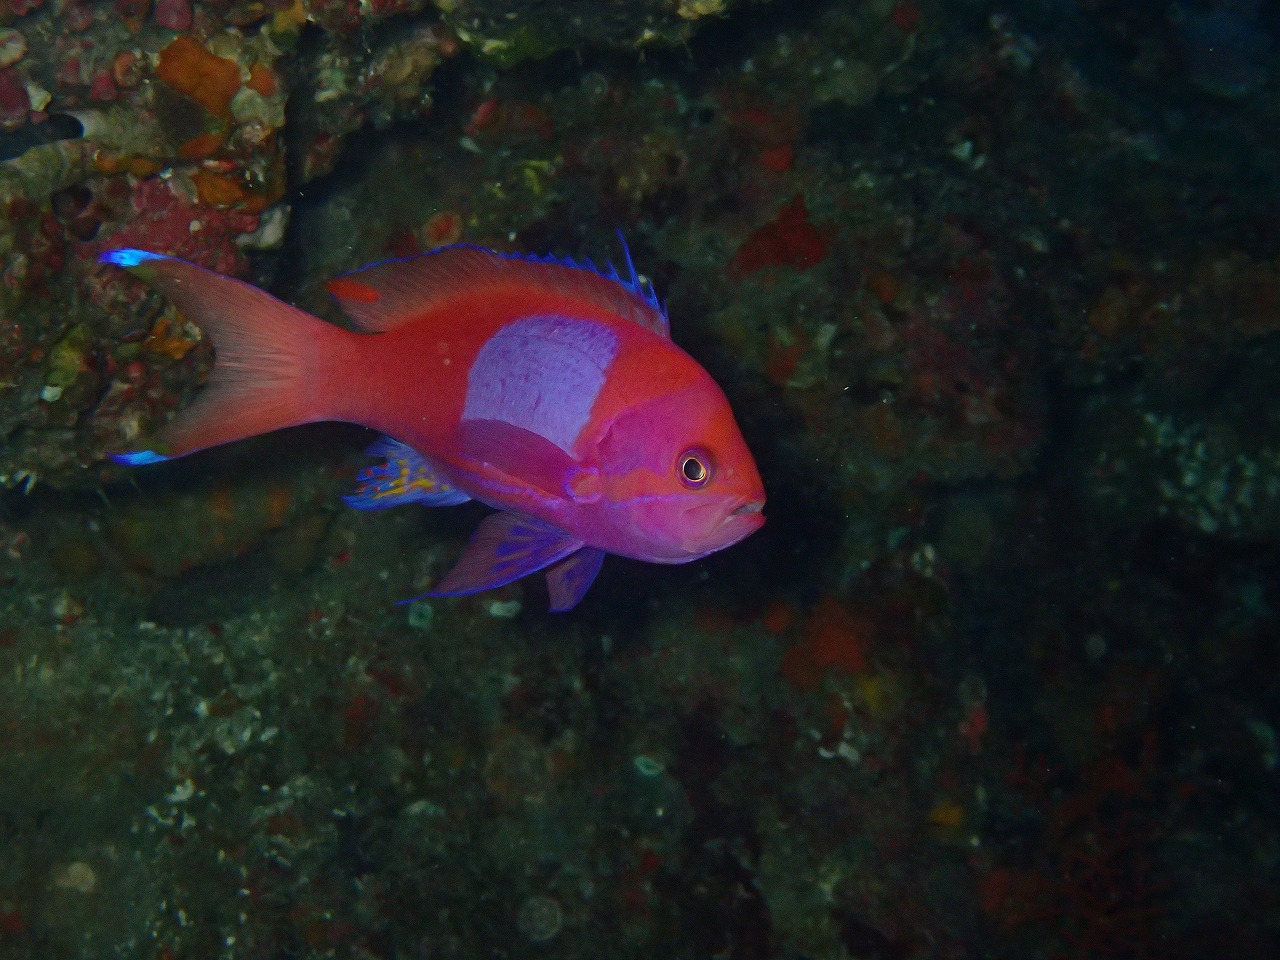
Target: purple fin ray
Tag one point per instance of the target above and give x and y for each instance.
(505, 547)
(403, 477)
(570, 579)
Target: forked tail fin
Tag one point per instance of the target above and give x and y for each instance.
(270, 358)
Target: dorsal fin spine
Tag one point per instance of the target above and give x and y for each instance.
(394, 297)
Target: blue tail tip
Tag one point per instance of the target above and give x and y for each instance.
(128, 257)
(139, 458)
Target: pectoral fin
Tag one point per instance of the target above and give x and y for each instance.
(529, 458)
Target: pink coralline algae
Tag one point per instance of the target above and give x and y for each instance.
(20, 8)
(103, 88)
(173, 14)
(167, 222)
(77, 17)
(14, 102)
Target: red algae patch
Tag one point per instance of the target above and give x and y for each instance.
(442, 229)
(262, 80)
(209, 80)
(788, 240)
(15, 103)
(216, 189)
(835, 641)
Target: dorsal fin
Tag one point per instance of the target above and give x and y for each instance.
(390, 293)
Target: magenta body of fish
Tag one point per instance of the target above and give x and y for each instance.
(545, 389)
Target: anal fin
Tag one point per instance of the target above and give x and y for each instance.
(505, 547)
(570, 579)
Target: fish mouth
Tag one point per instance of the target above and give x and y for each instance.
(742, 520)
(714, 526)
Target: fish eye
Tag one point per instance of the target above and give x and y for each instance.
(695, 468)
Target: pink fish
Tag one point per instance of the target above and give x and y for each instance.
(545, 389)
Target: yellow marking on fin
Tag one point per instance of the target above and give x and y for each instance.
(408, 481)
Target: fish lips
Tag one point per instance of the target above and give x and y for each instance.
(717, 525)
(744, 520)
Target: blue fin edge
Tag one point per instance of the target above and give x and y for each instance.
(139, 458)
(129, 257)
(633, 283)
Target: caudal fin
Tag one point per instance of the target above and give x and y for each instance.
(268, 364)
